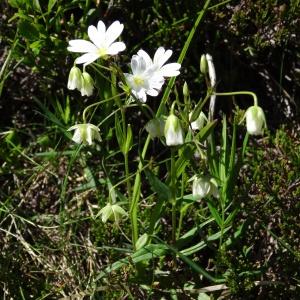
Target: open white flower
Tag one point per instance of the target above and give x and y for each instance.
(102, 43)
(142, 81)
(85, 133)
(157, 65)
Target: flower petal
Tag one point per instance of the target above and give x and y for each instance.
(77, 136)
(81, 46)
(95, 36)
(141, 95)
(74, 127)
(152, 92)
(86, 58)
(89, 135)
(101, 28)
(161, 56)
(170, 70)
(113, 32)
(146, 57)
(115, 48)
(137, 65)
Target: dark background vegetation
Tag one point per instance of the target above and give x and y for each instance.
(255, 46)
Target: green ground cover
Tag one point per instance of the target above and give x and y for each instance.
(164, 242)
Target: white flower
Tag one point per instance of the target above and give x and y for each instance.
(85, 133)
(147, 76)
(255, 120)
(74, 80)
(173, 131)
(87, 84)
(112, 212)
(157, 65)
(204, 186)
(102, 43)
(142, 81)
(198, 124)
(213, 81)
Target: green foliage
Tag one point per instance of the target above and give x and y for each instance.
(168, 243)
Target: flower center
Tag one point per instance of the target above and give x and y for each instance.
(102, 51)
(138, 80)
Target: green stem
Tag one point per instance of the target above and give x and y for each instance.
(179, 224)
(240, 93)
(127, 174)
(182, 212)
(173, 194)
(98, 103)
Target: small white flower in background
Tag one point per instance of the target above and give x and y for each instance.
(213, 82)
(155, 127)
(255, 120)
(173, 131)
(158, 63)
(74, 80)
(87, 84)
(204, 186)
(142, 81)
(102, 43)
(112, 212)
(85, 133)
(198, 124)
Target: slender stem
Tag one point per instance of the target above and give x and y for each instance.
(98, 103)
(240, 93)
(127, 174)
(136, 194)
(126, 163)
(179, 224)
(182, 212)
(173, 194)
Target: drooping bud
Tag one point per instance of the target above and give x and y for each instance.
(87, 84)
(255, 120)
(173, 131)
(204, 186)
(74, 80)
(203, 64)
(155, 127)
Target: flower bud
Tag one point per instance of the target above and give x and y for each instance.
(85, 133)
(205, 186)
(255, 120)
(155, 127)
(173, 131)
(74, 80)
(203, 64)
(198, 124)
(87, 84)
(185, 90)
